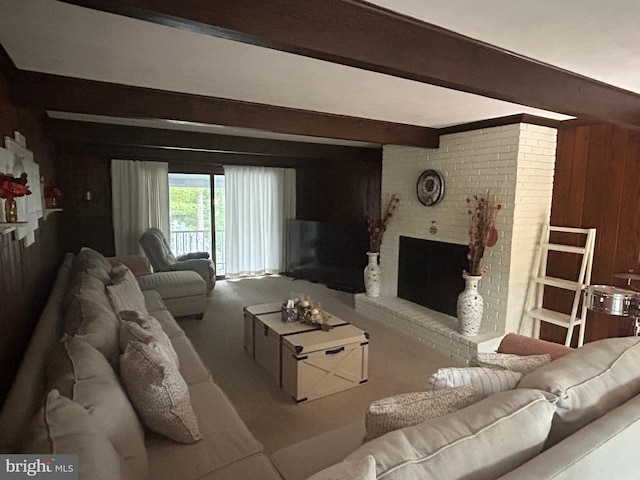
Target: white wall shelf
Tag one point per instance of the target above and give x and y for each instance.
(10, 227)
(49, 211)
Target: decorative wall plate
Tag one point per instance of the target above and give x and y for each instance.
(430, 187)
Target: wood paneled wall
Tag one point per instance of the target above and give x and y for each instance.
(27, 273)
(597, 184)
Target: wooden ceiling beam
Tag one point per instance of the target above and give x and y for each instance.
(358, 34)
(109, 134)
(66, 94)
(172, 155)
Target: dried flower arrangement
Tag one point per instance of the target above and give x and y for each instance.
(482, 232)
(377, 224)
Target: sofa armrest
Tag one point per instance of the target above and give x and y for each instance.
(138, 264)
(201, 266)
(301, 460)
(521, 345)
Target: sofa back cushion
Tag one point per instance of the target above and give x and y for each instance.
(61, 427)
(482, 441)
(97, 325)
(92, 262)
(589, 382)
(82, 374)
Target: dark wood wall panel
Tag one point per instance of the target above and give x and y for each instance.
(27, 273)
(597, 184)
(87, 223)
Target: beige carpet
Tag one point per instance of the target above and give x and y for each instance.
(397, 363)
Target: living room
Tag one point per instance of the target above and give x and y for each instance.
(595, 174)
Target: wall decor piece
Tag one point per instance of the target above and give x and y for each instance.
(29, 207)
(430, 187)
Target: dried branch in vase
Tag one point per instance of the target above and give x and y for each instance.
(482, 232)
(377, 224)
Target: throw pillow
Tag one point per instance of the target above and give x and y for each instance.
(483, 441)
(591, 381)
(82, 374)
(365, 469)
(408, 409)
(145, 329)
(158, 392)
(484, 381)
(124, 291)
(64, 427)
(523, 364)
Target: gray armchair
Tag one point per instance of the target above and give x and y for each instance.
(159, 253)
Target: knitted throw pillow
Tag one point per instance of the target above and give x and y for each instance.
(408, 409)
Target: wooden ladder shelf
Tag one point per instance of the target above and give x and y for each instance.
(540, 279)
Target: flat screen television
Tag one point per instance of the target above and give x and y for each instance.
(430, 273)
(331, 253)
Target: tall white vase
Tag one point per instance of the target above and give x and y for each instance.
(372, 275)
(470, 306)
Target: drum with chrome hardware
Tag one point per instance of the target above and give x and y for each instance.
(614, 301)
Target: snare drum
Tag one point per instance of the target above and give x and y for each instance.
(612, 300)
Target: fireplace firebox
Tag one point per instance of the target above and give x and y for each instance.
(430, 273)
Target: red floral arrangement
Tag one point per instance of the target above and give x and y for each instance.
(11, 187)
(52, 192)
(377, 224)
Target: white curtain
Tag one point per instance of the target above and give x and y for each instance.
(140, 199)
(259, 202)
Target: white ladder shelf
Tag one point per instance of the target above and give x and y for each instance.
(540, 279)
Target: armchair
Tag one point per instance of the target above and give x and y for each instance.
(159, 253)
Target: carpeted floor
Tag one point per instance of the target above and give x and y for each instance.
(397, 363)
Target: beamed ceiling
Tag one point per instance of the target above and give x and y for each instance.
(211, 79)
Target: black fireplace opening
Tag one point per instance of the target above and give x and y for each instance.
(430, 273)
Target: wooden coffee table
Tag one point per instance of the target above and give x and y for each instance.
(305, 361)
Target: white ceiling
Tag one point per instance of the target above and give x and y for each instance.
(591, 37)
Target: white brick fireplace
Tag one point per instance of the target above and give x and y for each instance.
(516, 162)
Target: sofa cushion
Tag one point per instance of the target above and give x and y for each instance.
(406, 409)
(169, 323)
(225, 439)
(192, 368)
(484, 381)
(124, 291)
(138, 327)
(153, 301)
(481, 441)
(517, 363)
(64, 427)
(83, 375)
(158, 392)
(365, 469)
(590, 381)
(98, 326)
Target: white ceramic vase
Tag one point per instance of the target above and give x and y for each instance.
(372, 275)
(470, 306)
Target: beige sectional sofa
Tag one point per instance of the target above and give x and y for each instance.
(575, 417)
(227, 449)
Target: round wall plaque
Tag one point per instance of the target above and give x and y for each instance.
(430, 187)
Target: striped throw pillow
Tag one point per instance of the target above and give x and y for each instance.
(484, 381)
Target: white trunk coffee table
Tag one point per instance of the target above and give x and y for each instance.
(305, 361)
